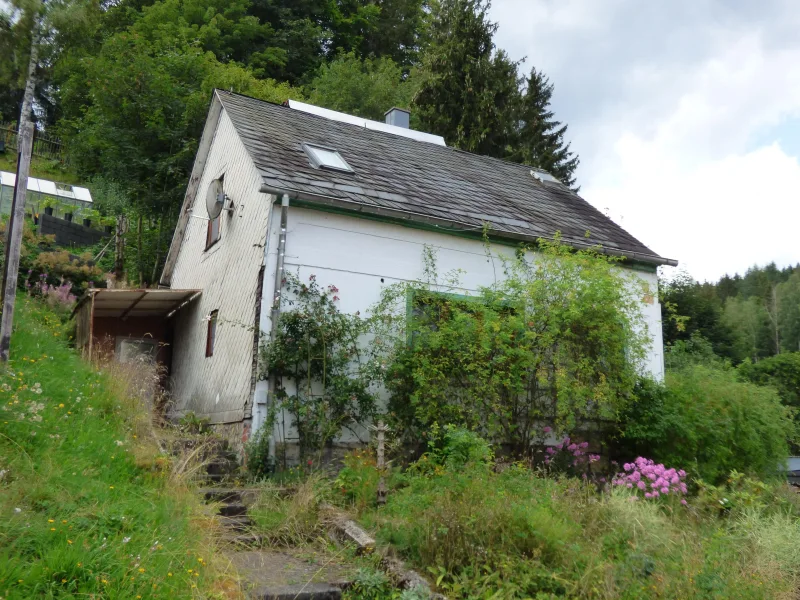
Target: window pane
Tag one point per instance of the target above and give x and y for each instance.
(212, 333)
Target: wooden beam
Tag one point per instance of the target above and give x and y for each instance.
(91, 327)
(128, 310)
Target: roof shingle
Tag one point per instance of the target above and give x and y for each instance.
(419, 179)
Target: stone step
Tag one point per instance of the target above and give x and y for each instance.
(222, 467)
(238, 523)
(248, 540)
(232, 510)
(222, 494)
(310, 591)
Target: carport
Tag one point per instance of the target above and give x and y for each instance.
(127, 324)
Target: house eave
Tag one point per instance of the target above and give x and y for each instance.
(449, 226)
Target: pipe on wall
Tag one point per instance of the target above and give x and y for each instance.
(275, 314)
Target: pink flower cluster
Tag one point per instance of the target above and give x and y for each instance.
(654, 480)
(576, 453)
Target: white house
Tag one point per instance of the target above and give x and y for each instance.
(353, 202)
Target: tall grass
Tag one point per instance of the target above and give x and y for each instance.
(517, 534)
(88, 503)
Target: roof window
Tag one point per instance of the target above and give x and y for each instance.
(326, 158)
(543, 176)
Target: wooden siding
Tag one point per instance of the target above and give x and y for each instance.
(219, 386)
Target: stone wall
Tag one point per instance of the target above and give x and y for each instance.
(69, 234)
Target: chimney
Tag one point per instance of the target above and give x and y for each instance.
(399, 117)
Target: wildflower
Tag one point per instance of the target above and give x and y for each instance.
(547, 429)
(169, 574)
(69, 542)
(125, 540)
(61, 405)
(51, 520)
(141, 570)
(111, 487)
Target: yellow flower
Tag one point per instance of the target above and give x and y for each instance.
(141, 570)
(80, 564)
(188, 570)
(63, 581)
(69, 542)
(61, 405)
(111, 487)
(52, 529)
(64, 521)
(169, 574)
(51, 520)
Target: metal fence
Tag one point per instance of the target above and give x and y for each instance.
(44, 146)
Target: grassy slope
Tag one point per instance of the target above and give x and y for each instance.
(86, 506)
(41, 168)
(519, 535)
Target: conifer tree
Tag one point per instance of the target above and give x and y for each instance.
(470, 90)
(540, 140)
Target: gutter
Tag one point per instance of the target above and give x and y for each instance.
(412, 217)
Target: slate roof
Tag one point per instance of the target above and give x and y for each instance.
(420, 181)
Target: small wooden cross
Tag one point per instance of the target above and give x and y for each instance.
(381, 429)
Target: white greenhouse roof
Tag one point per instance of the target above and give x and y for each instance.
(51, 188)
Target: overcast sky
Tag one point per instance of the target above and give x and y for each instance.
(685, 114)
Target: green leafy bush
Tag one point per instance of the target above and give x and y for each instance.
(781, 372)
(557, 340)
(322, 382)
(257, 459)
(709, 421)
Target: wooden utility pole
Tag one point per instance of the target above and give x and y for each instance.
(16, 221)
(14, 239)
(381, 429)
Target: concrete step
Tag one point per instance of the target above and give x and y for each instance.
(310, 591)
(232, 510)
(237, 523)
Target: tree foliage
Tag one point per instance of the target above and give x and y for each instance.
(540, 139)
(469, 91)
(367, 88)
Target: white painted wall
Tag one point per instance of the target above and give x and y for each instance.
(361, 256)
(219, 387)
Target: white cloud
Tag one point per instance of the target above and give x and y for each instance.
(663, 103)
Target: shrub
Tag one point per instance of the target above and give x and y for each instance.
(652, 480)
(707, 418)
(569, 457)
(557, 340)
(781, 372)
(257, 459)
(358, 480)
(316, 360)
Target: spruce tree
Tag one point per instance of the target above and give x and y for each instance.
(470, 91)
(540, 139)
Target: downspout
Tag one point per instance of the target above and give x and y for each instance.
(276, 310)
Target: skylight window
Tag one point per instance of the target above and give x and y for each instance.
(326, 158)
(543, 176)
